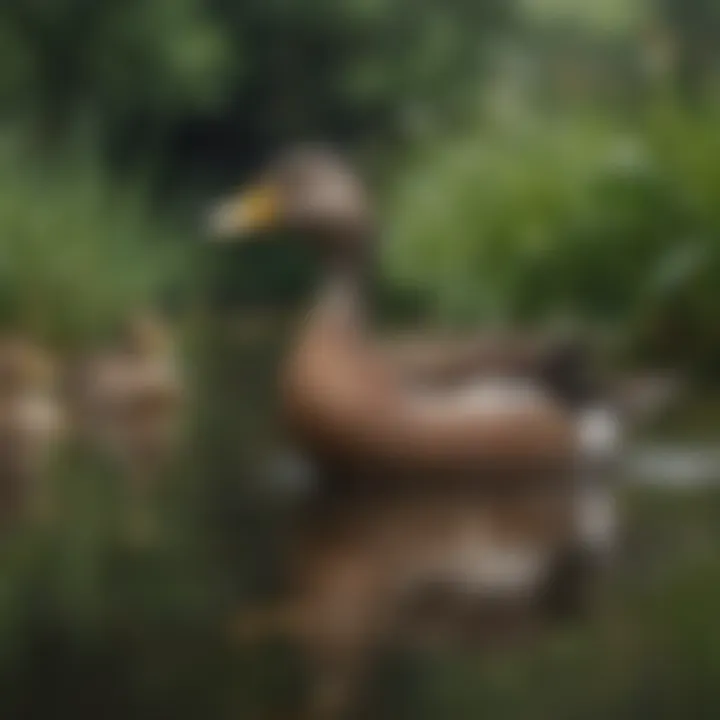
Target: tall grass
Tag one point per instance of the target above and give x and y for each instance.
(78, 248)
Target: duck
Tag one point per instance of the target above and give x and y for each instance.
(128, 400)
(340, 392)
(457, 471)
(32, 426)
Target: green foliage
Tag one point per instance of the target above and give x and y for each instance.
(571, 217)
(78, 250)
(249, 73)
(693, 27)
(118, 61)
(322, 66)
(612, 16)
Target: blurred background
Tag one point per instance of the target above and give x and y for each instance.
(535, 161)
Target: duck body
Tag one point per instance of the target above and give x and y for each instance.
(341, 399)
(131, 409)
(130, 397)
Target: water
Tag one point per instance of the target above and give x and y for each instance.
(683, 453)
(667, 465)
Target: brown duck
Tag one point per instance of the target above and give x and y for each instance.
(451, 469)
(129, 406)
(31, 425)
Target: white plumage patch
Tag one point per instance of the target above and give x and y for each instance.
(487, 396)
(599, 432)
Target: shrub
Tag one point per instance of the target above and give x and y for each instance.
(78, 250)
(579, 217)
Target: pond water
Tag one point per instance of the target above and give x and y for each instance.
(682, 451)
(664, 464)
(610, 667)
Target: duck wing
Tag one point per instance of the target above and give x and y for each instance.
(565, 367)
(451, 360)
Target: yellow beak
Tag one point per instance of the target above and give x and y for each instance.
(253, 210)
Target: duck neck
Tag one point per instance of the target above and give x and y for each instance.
(333, 335)
(342, 298)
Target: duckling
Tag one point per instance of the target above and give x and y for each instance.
(130, 408)
(32, 423)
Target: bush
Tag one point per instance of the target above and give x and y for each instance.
(78, 250)
(571, 217)
(125, 61)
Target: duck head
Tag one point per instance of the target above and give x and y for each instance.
(309, 191)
